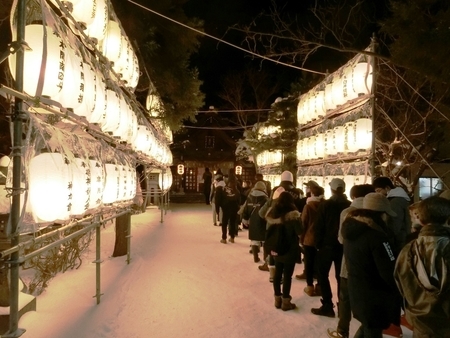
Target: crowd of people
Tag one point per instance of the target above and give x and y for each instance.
(391, 258)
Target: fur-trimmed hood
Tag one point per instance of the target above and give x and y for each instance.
(290, 216)
(361, 220)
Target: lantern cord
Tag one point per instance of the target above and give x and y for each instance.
(226, 42)
(420, 95)
(412, 145)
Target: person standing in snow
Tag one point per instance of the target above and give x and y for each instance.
(326, 228)
(422, 272)
(218, 182)
(228, 199)
(250, 218)
(370, 264)
(285, 213)
(207, 181)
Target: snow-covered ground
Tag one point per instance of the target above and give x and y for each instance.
(181, 282)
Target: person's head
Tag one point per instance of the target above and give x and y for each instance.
(287, 176)
(207, 169)
(310, 184)
(378, 202)
(316, 191)
(337, 186)
(277, 193)
(361, 190)
(260, 186)
(383, 185)
(259, 177)
(433, 210)
(284, 204)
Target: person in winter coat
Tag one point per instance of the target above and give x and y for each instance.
(326, 228)
(228, 199)
(218, 182)
(422, 272)
(400, 201)
(357, 193)
(269, 261)
(207, 182)
(285, 213)
(287, 184)
(250, 217)
(309, 214)
(370, 263)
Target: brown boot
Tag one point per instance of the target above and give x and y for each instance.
(287, 305)
(255, 251)
(278, 302)
(263, 267)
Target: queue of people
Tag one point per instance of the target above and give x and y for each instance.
(384, 263)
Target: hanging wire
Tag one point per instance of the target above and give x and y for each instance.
(225, 42)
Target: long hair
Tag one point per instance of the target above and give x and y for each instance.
(283, 205)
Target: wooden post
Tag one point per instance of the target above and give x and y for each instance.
(122, 228)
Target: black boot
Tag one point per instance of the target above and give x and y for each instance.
(255, 251)
(325, 310)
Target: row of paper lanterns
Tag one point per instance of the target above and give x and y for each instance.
(350, 138)
(112, 42)
(324, 181)
(60, 189)
(269, 157)
(355, 80)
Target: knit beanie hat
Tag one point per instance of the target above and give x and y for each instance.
(337, 183)
(378, 202)
(287, 176)
(277, 193)
(260, 186)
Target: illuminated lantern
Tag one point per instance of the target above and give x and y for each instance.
(339, 139)
(153, 105)
(329, 102)
(300, 150)
(81, 186)
(97, 178)
(361, 79)
(131, 181)
(50, 187)
(100, 100)
(135, 73)
(112, 43)
(123, 182)
(97, 28)
(125, 120)
(124, 64)
(111, 118)
(329, 143)
(132, 128)
(238, 170)
(112, 183)
(306, 147)
(143, 139)
(89, 91)
(364, 133)
(312, 148)
(301, 110)
(338, 91)
(320, 145)
(165, 180)
(320, 104)
(180, 169)
(54, 64)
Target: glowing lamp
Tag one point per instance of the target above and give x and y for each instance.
(87, 106)
(125, 119)
(312, 147)
(364, 133)
(81, 186)
(54, 63)
(320, 104)
(320, 145)
(97, 28)
(329, 103)
(339, 139)
(84, 11)
(143, 139)
(180, 169)
(123, 182)
(111, 118)
(99, 111)
(50, 187)
(131, 180)
(165, 180)
(301, 110)
(97, 178)
(329, 143)
(112, 183)
(300, 150)
(361, 79)
(338, 91)
(112, 43)
(238, 170)
(135, 73)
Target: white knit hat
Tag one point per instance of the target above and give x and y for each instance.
(287, 176)
(378, 202)
(337, 183)
(260, 186)
(277, 193)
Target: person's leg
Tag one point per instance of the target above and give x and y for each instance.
(338, 252)
(225, 220)
(373, 332)
(344, 313)
(325, 257)
(232, 228)
(277, 278)
(288, 271)
(214, 213)
(309, 264)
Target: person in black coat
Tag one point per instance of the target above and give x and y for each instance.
(370, 262)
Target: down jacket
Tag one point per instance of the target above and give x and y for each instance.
(422, 274)
(374, 297)
(250, 215)
(293, 223)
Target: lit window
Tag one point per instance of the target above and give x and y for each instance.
(429, 186)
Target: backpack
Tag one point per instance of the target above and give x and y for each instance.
(277, 239)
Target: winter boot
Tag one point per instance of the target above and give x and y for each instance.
(309, 290)
(271, 273)
(325, 310)
(287, 305)
(317, 290)
(301, 276)
(263, 267)
(255, 251)
(393, 331)
(278, 302)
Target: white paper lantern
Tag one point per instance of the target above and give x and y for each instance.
(320, 104)
(84, 11)
(362, 79)
(50, 187)
(339, 139)
(97, 177)
(131, 190)
(125, 119)
(81, 186)
(301, 110)
(112, 43)
(99, 111)
(111, 118)
(320, 145)
(329, 143)
(112, 183)
(97, 29)
(54, 65)
(338, 91)
(132, 131)
(86, 108)
(123, 182)
(350, 136)
(312, 147)
(364, 133)
(143, 139)
(300, 150)
(135, 74)
(165, 180)
(329, 103)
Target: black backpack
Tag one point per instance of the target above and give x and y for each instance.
(277, 239)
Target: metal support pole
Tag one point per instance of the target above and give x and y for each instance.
(14, 330)
(373, 49)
